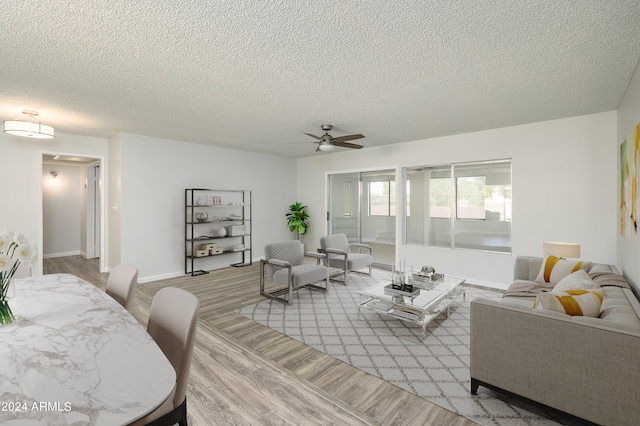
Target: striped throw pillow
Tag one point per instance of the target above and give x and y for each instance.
(571, 302)
(554, 269)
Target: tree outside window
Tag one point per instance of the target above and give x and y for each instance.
(382, 198)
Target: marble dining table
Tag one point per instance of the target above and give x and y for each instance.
(74, 356)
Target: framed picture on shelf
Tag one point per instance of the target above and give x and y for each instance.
(216, 201)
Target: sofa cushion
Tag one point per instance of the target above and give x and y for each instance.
(576, 280)
(609, 279)
(571, 302)
(554, 269)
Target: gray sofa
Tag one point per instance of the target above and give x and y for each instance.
(587, 367)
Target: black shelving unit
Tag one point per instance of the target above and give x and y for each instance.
(206, 212)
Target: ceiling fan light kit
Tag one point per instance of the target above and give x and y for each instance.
(325, 146)
(327, 142)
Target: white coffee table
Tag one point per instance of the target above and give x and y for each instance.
(421, 308)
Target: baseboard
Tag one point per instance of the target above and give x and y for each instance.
(160, 277)
(54, 255)
(177, 274)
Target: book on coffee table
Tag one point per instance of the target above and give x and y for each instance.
(431, 280)
(389, 289)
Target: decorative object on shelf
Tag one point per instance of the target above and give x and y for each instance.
(14, 251)
(29, 129)
(200, 205)
(238, 247)
(297, 218)
(236, 230)
(202, 216)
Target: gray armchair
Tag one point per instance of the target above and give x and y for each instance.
(285, 264)
(339, 255)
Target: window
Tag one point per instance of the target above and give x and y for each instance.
(470, 197)
(440, 197)
(382, 198)
(461, 206)
(347, 198)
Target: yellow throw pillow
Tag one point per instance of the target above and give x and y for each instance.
(571, 302)
(554, 269)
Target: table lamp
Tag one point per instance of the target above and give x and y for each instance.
(561, 250)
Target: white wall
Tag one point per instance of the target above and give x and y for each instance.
(628, 119)
(62, 210)
(154, 174)
(564, 174)
(21, 177)
(112, 209)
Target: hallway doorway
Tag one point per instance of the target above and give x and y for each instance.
(72, 208)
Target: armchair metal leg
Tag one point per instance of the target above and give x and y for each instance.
(275, 295)
(262, 278)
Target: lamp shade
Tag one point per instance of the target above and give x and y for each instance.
(558, 249)
(30, 128)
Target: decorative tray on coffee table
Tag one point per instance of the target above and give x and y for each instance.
(402, 290)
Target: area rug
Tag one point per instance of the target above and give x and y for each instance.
(435, 367)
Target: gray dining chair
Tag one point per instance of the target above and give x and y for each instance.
(173, 320)
(339, 255)
(285, 264)
(121, 285)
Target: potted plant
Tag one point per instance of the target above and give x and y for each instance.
(297, 218)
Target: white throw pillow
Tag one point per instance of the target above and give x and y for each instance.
(576, 281)
(554, 269)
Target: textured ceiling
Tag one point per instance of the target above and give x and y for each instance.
(257, 74)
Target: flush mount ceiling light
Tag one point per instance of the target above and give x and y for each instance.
(30, 127)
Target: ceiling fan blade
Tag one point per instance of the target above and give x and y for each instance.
(313, 136)
(347, 138)
(347, 145)
(318, 149)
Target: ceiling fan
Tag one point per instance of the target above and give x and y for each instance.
(327, 142)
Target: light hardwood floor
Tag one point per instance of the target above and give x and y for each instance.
(246, 374)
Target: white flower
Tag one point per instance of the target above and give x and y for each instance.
(34, 256)
(24, 254)
(5, 242)
(20, 239)
(6, 263)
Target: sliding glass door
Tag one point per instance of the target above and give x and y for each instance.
(362, 205)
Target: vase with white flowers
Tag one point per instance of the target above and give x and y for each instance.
(14, 251)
